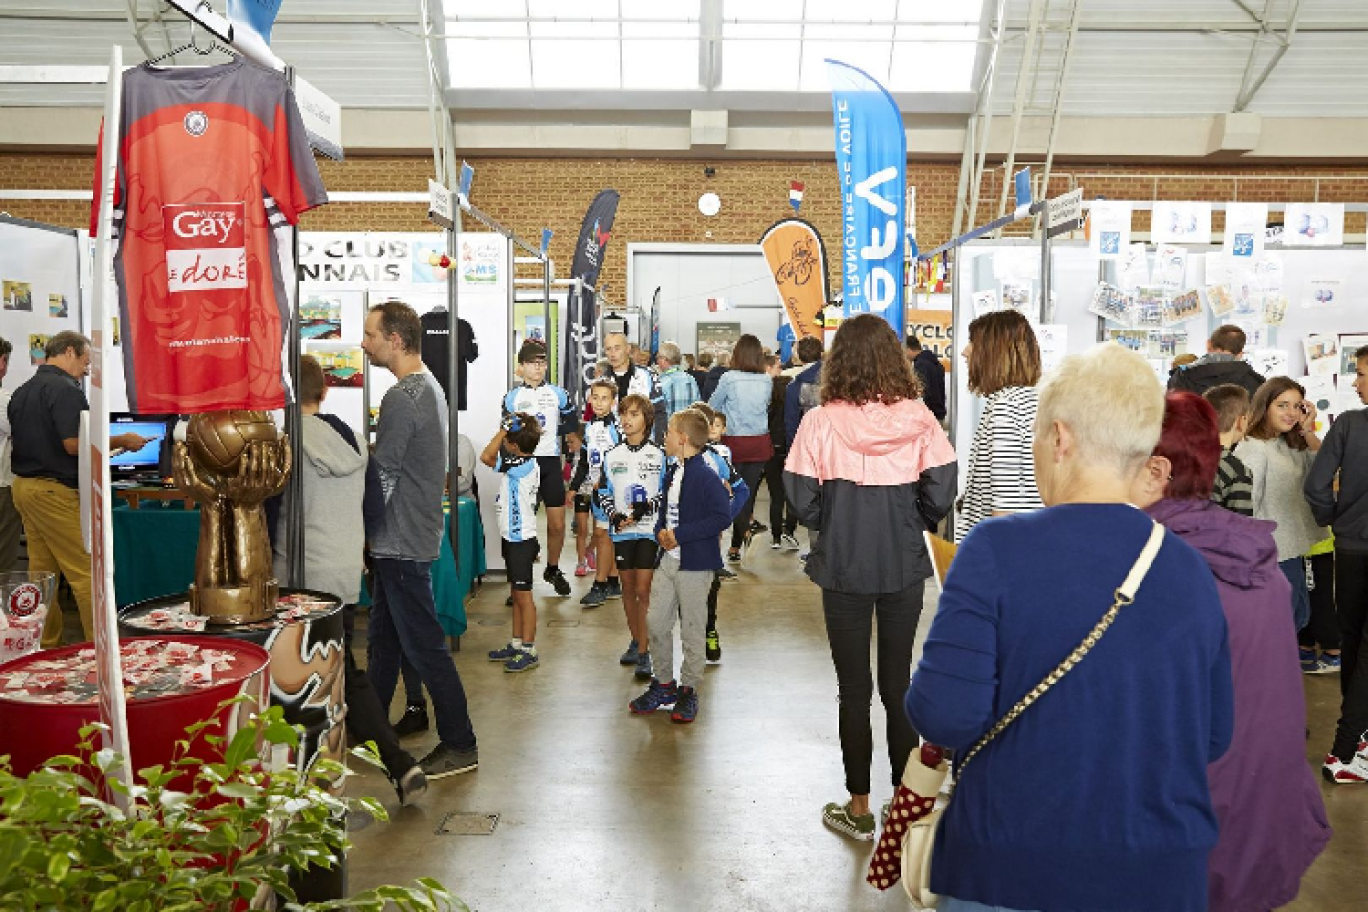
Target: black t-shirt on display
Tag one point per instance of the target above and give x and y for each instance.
(437, 354)
(43, 412)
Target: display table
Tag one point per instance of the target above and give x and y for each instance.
(154, 555)
(135, 496)
(171, 682)
(154, 551)
(305, 640)
(453, 577)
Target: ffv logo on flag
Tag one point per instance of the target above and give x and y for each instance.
(206, 246)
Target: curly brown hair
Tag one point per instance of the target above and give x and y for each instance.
(866, 364)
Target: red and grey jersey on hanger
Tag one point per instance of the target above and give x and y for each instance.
(211, 161)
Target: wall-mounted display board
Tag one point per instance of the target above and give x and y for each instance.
(40, 290)
(1166, 300)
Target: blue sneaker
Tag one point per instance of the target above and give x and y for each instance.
(644, 671)
(656, 696)
(597, 595)
(503, 653)
(1327, 664)
(1310, 662)
(523, 661)
(631, 656)
(614, 590)
(686, 706)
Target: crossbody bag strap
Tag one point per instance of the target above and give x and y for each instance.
(1125, 594)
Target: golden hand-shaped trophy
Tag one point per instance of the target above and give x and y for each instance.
(230, 462)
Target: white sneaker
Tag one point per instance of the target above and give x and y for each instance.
(1355, 772)
(791, 542)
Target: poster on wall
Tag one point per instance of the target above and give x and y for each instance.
(1180, 223)
(343, 365)
(1322, 354)
(716, 338)
(1244, 230)
(1349, 345)
(1109, 228)
(479, 261)
(936, 330)
(1313, 225)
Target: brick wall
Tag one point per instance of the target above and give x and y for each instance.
(659, 197)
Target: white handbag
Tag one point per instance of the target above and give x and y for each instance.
(920, 839)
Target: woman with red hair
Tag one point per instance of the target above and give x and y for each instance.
(1272, 819)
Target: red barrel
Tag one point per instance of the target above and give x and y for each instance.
(35, 726)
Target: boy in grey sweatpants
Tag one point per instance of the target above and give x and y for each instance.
(697, 510)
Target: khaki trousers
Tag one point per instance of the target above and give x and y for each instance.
(52, 523)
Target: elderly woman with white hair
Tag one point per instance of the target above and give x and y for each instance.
(1095, 797)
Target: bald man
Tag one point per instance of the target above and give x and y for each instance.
(633, 378)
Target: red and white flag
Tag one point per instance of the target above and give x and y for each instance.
(717, 304)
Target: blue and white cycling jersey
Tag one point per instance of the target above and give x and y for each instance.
(553, 409)
(600, 436)
(516, 502)
(718, 456)
(632, 482)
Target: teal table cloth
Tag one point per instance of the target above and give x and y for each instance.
(154, 550)
(452, 577)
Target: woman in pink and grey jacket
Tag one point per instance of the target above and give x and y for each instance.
(871, 469)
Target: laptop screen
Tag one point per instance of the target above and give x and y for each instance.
(146, 459)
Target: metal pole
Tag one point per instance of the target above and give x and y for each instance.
(294, 427)
(546, 311)
(1045, 310)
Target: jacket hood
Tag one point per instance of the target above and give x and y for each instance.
(876, 429)
(327, 451)
(1236, 547)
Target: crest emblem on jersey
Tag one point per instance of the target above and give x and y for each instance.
(196, 122)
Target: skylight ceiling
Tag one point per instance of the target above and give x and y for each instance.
(709, 45)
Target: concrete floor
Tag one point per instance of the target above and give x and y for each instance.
(603, 810)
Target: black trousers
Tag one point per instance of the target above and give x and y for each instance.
(367, 720)
(849, 619)
(1351, 602)
(782, 518)
(752, 472)
(712, 602)
(1323, 628)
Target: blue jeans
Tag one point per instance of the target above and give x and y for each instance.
(950, 904)
(1295, 571)
(403, 625)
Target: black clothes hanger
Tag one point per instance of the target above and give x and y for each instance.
(214, 45)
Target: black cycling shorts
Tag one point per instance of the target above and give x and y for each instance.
(518, 559)
(636, 554)
(582, 504)
(552, 491)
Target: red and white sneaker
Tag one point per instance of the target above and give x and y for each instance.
(582, 568)
(591, 560)
(1355, 772)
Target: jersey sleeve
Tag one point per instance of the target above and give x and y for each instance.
(292, 177)
(510, 403)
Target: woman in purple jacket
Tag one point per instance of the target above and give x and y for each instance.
(1265, 796)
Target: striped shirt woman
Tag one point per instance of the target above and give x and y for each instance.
(1004, 368)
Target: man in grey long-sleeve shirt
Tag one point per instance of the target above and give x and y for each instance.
(411, 455)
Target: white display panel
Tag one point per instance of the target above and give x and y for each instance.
(40, 289)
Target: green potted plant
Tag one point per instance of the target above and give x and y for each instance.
(199, 835)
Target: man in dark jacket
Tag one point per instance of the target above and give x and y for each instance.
(804, 393)
(1221, 364)
(932, 374)
(714, 374)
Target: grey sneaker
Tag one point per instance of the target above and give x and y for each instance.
(856, 826)
(597, 595)
(630, 656)
(726, 576)
(791, 542)
(411, 785)
(643, 667)
(614, 587)
(446, 760)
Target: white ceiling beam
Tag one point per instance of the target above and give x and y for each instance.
(1250, 84)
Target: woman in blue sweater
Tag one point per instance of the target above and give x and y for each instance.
(1096, 798)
